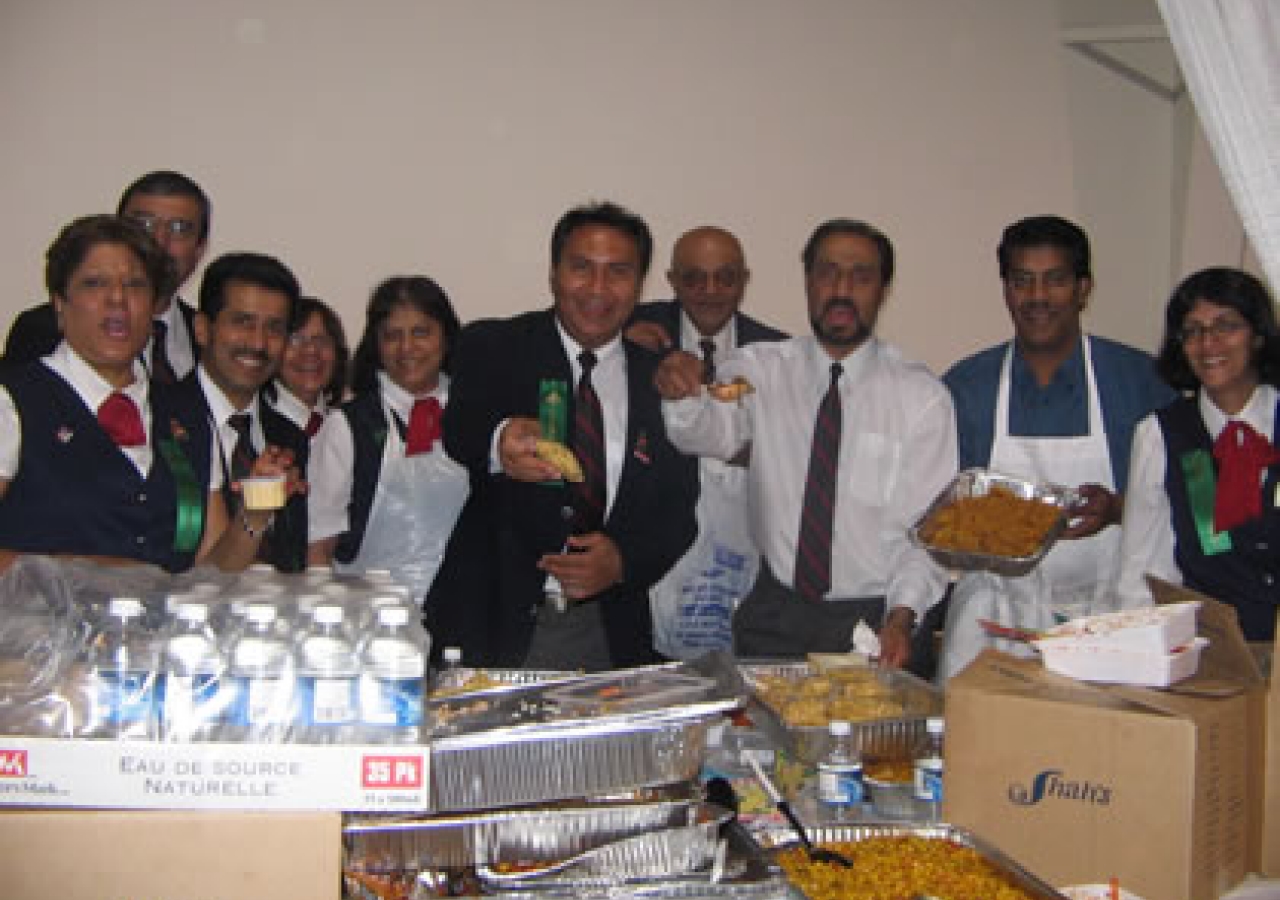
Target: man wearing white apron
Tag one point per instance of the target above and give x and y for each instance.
(1053, 405)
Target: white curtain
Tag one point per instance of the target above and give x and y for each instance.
(1229, 51)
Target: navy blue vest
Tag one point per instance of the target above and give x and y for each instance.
(75, 492)
(1248, 575)
(368, 424)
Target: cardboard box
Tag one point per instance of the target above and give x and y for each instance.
(149, 775)
(1082, 782)
(54, 855)
(1270, 837)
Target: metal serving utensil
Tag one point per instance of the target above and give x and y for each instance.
(816, 854)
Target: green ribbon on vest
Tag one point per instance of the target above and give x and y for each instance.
(1197, 472)
(189, 521)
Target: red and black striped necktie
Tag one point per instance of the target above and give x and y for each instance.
(588, 446)
(817, 515)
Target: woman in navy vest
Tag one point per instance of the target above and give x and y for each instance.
(1203, 505)
(313, 372)
(383, 493)
(95, 460)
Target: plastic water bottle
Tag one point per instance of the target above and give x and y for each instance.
(125, 672)
(450, 676)
(328, 671)
(194, 687)
(928, 770)
(392, 672)
(840, 786)
(264, 674)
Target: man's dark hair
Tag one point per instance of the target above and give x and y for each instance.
(1231, 288)
(169, 184)
(74, 243)
(256, 269)
(417, 291)
(1046, 231)
(609, 215)
(884, 247)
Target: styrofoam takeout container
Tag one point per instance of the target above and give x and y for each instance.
(1153, 629)
(1120, 665)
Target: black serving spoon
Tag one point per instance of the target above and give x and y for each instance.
(816, 854)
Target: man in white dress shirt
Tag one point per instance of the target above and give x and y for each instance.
(888, 447)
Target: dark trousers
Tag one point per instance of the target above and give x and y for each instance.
(774, 621)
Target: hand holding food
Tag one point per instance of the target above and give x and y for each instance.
(562, 458)
(729, 391)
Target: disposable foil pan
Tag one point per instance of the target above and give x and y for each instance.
(773, 840)
(501, 680)
(978, 483)
(524, 747)
(379, 844)
(660, 853)
(885, 738)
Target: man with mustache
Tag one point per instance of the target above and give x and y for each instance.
(1052, 405)
(176, 213)
(247, 302)
(850, 441)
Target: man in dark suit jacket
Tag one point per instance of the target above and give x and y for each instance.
(175, 212)
(507, 376)
(709, 276)
(246, 306)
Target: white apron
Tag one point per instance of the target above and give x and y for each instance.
(415, 506)
(693, 604)
(1075, 578)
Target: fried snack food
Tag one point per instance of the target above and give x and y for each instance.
(999, 523)
(814, 700)
(895, 868)
(890, 770)
(561, 457)
(729, 391)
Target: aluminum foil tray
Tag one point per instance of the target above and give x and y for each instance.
(886, 738)
(498, 680)
(382, 844)
(772, 840)
(524, 746)
(978, 483)
(657, 854)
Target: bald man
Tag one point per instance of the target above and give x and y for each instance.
(693, 605)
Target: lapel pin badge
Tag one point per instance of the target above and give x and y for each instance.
(64, 435)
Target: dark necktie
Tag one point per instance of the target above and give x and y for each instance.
(588, 446)
(161, 370)
(314, 421)
(242, 455)
(424, 426)
(813, 548)
(119, 417)
(708, 360)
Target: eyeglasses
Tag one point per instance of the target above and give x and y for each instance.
(300, 341)
(1218, 328)
(697, 279)
(153, 225)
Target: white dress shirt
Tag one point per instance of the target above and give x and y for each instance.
(331, 463)
(1147, 539)
(691, 338)
(897, 451)
(220, 411)
(286, 403)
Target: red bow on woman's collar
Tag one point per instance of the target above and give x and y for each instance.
(1242, 455)
(424, 426)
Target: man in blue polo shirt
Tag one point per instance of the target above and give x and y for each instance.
(1052, 405)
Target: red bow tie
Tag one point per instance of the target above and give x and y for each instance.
(424, 426)
(1242, 455)
(119, 417)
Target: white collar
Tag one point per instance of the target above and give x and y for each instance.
(92, 387)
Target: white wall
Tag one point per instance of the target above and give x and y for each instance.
(445, 137)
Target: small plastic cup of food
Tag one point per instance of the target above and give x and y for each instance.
(263, 492)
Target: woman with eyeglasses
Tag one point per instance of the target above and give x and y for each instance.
(1203, 506)
(96, 459)
(383, 492)
(313, 372)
